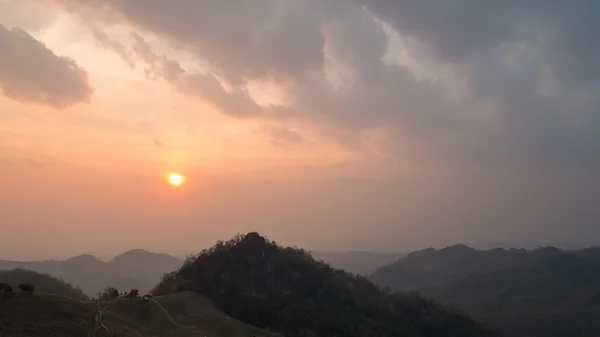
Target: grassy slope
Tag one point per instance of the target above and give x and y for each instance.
(187, 314)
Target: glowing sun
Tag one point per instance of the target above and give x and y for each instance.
(175, 179)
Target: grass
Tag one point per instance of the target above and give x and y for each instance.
(177, 315)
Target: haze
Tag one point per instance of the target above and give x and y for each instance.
(324, 124)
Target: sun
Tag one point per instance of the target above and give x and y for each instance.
(175, 179)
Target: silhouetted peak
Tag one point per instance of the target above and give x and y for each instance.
(253, 239)
(422, 252)
(547, 250)
(458, 248)
(83, 259)
(142, 256)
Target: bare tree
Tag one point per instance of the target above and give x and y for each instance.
(98, 323)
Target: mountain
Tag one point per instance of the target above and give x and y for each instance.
(42, 283)
(541, 292)
(183, 314)
(287, 291)
(134, 269)
(357, 262)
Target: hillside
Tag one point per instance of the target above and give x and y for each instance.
(42, 282)
(542, 292)
(286, 290)
(134, 269)
(179, 315)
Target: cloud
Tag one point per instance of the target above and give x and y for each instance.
(32, 73)
(282, 136)
(458, 30)
(235, 102)
(451, 82)
(464, 120)
(112, 45)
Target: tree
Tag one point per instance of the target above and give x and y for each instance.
(108, 293)
(5, 289)
(134, 293)
(27, 288)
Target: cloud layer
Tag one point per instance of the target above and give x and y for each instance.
(489, 116)
(454, 82)
(32, 73)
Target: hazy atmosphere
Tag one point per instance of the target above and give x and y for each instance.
(324, 124)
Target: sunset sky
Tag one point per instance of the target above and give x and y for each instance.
(325, 124)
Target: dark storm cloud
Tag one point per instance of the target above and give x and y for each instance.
(32, 73)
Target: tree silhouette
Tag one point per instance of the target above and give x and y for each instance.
(134, 293)
(27, 288)
(5, 289)
(109, 293)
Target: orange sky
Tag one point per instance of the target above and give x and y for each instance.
(347, 131)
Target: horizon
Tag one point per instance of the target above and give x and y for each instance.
(329, 125)
(482, 246)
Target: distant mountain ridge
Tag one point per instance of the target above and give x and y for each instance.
(540, 292)
(137, 268)
(356, 261)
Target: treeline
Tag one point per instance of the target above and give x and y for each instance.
(112, 293)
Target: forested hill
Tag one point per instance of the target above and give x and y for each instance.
(286, 290)
(43, 283)
(540, 292)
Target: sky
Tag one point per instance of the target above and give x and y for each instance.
(324, 124)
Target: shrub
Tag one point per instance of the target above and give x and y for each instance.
(134, 293)
(6, 289)
(27, 288)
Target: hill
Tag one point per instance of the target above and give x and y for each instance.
(42, 282)
(287, 291)
(134, 269)
(541, 292)
(179, 315)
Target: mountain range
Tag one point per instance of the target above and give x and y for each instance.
(247, 286)
(141, 269)
(541, 292)
(134, 269)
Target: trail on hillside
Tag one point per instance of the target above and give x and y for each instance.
(192, 328)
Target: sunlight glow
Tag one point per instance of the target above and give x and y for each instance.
(175, 179)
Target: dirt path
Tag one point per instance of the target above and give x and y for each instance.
(192, 328)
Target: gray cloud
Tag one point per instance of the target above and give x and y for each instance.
(284, 136)
(113, 45)
(459, 29)
(236, 102)
(502, 55)
(32, 73)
